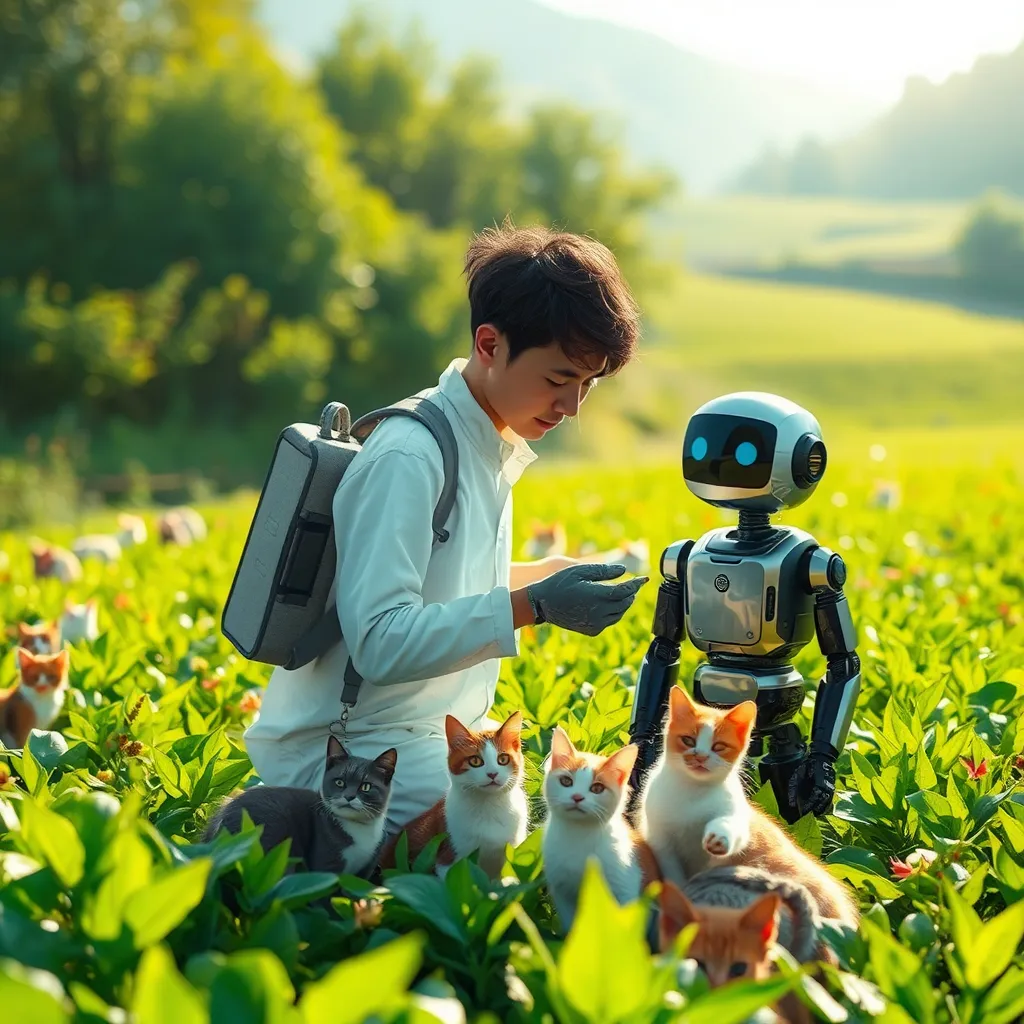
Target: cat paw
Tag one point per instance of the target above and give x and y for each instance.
(715, 844)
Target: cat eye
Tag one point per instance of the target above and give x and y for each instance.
(688, 741)
(565, 780)
(475, 761)
(339, 782)
(719, 747)
(365, 788)
(503, 759)
(597, 787)
(737, 970)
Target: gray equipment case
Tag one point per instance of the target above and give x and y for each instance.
(277, 610)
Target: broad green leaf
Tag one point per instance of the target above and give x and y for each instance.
(53, 839)
(735, 1003)
(161, 995)
(1004, 1001)
(807, 834)
(427, 895)
(605, 981)
(964, 921)
(153, 912)
(994, 947)
(301, 888)
(130, 872)
(252, 985)
(898, 973)
(29, 996)
(371, 983)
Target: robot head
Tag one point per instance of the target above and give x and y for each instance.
(753, 450)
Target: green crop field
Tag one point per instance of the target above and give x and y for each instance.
(767, 230)
(107, 906)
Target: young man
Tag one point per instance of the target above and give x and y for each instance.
(425, 623)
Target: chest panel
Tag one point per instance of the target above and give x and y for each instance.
(726, 599)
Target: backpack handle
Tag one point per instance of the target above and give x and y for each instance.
(335, 419)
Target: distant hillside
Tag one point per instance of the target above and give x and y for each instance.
(953, 140)
(699, 118)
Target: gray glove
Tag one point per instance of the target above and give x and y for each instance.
(571, 598)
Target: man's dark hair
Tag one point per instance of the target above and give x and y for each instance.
(539, 286)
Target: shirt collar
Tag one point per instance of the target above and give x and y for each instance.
(508, 456)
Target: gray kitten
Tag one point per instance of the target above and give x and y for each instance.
(340, 829)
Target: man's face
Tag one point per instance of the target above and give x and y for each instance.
(540, 388)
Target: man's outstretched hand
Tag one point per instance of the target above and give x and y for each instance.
(575, 599)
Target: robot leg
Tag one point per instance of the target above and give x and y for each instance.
(658, 675)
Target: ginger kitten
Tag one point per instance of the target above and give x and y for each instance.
(36, 699)
(42, 638)
(546, 539)
(49, 560)
(485, 809)
(695, 813)
(586, 799)
(730, 943)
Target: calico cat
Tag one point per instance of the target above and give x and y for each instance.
(586, 798)
(736, 888)
(731, 942)
(49, 560)
(546, 539)
(80, 621)
(485, 809)
(695, 813)
(42, 638)
(36, 699)
(337, 830)
(181, 526)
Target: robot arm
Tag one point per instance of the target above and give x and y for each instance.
(660, 666)
(812, 788)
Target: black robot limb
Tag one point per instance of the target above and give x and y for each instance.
(660, 667)
(812, 787)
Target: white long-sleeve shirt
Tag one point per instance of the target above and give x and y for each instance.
(425, 623)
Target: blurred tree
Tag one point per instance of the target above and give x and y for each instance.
(68, 70)
(990, 248)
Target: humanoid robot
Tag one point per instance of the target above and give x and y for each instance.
(751, 596)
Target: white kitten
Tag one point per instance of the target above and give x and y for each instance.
(80, 621)
(131, 530)
(100, 546)
(586, 799)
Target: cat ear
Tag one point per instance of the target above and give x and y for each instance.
(335, 751)
(675, 912)
(510, 729)
(681, 705)
(386, 762)
(742, 718)
(60, 660)
(620, 764)
(762, 917)
(458, 735)
(562, 750)
(26, 659)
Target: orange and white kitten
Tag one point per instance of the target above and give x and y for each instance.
(730, 943)
(42, 638)
(485, 809)
(546, 539)
(80, 621)
(695, 813)
(586, 799)
(50, 560)
(37, 698)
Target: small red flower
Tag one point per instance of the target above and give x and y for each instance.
(900, 868)
(122, 602)
(210, 684)
(1018, 763)
(251, 701)
(975, 771)
(5, 776)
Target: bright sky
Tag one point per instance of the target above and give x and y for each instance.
(863, 46)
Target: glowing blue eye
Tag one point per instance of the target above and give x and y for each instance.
(699, 448)
(746, 454)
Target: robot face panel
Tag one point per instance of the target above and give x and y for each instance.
(729, 451)
(753, 450)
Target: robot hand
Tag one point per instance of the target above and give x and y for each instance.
(813, 785)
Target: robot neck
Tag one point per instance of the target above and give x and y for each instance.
(754, 526)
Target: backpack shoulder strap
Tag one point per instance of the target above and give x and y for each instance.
(427, 413)
(327, 631)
